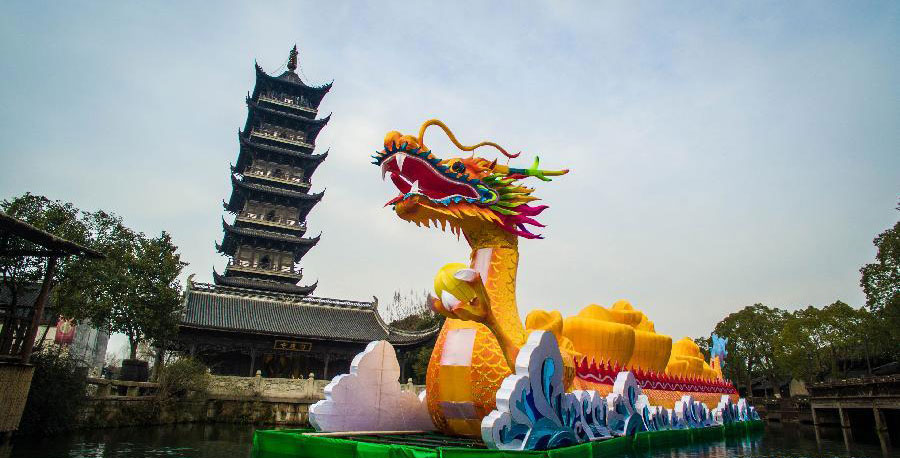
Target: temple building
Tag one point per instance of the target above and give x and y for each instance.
(259, 314)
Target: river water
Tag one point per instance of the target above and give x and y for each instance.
(220, 440)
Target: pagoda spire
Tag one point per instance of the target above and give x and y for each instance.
(292, 60)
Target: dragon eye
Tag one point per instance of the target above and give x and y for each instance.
(458, 167)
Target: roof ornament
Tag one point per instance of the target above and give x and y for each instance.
(292, 60)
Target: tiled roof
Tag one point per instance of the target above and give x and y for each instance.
(293, 78)
(258, 312)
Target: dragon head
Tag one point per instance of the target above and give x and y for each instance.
(461, 193)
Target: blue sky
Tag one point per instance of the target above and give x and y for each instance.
(723, 153)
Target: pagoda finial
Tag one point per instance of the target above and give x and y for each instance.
(292, 61)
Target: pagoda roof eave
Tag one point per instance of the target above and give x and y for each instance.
(269, 235)
(245, 140)
(237, 184)
(249, 284)
(312, 132)
(254, 105)
(291, 79)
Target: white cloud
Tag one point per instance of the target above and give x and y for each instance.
(369, 398)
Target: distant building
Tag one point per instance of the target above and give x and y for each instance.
(89, 346)
(85, 342)
(257, 317)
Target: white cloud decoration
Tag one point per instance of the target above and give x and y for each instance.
(369, 398)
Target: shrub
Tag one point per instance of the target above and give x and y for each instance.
(57, 393)
(183, 378)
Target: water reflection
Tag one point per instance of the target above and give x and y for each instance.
(777, 441)
(185, 440)
(221, 440)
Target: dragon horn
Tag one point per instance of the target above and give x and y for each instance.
(435, 122)
(532, 171)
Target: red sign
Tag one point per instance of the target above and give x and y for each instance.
(65, 332)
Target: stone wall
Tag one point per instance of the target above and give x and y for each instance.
(230, 386)
(246, 400)
(115, 412)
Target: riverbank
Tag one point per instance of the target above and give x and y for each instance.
(238, 400)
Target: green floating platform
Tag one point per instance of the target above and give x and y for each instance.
(293, 443)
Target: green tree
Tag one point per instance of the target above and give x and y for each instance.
(816, 343)
(751, 337)
(880, 281)
(412, 313)
(798, 343)
(20, 275)
(704, 343)
(135, 290)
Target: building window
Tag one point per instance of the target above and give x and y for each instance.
(270, 216)
(265, 262)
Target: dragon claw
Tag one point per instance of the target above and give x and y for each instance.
(460, 294)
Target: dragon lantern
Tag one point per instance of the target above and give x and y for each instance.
(489, 204)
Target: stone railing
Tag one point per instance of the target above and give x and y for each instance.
(311, 389)
(228, 387)
(101, 388)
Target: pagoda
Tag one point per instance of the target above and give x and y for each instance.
(271, 180)
(259, 318)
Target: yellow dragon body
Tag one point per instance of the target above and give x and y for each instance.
(476, 349)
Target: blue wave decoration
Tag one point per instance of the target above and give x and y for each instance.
(535, 413)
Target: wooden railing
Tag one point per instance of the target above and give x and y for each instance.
(236, 265)
(269, 175)
(278, 136)
(278, 222)
(288, 101)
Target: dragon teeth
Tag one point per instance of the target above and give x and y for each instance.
(415, 186)
(401, 157)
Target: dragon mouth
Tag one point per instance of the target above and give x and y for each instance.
(415, 176)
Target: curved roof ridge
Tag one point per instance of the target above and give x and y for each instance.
(253, 104)
(270, 234)
(292, 78)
